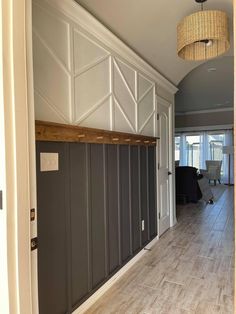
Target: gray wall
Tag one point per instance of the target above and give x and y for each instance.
(204, 119)
(89, 217)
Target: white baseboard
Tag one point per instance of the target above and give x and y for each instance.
(90, 301)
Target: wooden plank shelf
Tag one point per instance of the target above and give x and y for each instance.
(55, 132)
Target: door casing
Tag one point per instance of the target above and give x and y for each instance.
(171, 179)
(18, 132)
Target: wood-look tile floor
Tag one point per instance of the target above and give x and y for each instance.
(189, 270)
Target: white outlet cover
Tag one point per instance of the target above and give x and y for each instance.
(49, 162)
(142, 225)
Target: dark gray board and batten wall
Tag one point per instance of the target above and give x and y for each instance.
(90, 216)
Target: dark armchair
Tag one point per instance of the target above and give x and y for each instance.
(187, 184)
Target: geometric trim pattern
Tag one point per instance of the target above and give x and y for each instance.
(138, 111)
(105, 91)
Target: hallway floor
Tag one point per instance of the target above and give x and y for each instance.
(189, 270)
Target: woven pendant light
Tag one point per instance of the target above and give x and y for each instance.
(203, 35)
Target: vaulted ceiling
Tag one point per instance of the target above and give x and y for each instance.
(149, 28)
(209, 86)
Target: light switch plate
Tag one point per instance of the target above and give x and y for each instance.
(49, 162)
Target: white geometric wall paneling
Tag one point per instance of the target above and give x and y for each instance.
(124, 98)
(52, 80)
(87, 52)
(54, 30)
(144, 86)
(129, 74)
(91, 83)
(79, 80)
(146, 106)
(44, 111)
(134, 98)
(121, 122)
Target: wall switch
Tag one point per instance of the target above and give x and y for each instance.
(49, 162)
(143, 225)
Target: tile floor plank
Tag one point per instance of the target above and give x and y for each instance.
(190, 270)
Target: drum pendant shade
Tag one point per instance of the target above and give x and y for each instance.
(203, 35)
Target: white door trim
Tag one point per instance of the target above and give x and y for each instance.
(4, 288)
(173, 219)
(17, 192)
(32, 153)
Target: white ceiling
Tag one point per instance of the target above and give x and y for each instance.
(149, 28)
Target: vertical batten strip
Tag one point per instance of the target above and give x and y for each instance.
(134, 177)
(112, 208)
(148, 209)
(68, 226)
(105, 208)
(130, 205)
(118, 191)
(139, 196)
(155, 190)
(88, 175)
(124, 203)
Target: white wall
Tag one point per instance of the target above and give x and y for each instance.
(81, 80)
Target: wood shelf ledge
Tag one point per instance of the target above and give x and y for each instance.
(55, 132)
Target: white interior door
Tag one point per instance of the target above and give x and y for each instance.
(164, 132)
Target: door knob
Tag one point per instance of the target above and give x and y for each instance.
(169, 173)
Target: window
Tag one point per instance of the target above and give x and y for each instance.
(216, 143)
(177, 147)
(216, 150)
(193, 150)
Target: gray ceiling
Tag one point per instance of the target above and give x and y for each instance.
(149, 28)
(209, 86)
